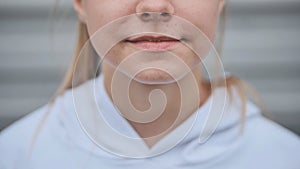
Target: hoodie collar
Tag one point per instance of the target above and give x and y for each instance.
(99, 123)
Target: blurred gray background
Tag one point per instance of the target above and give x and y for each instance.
(262, 46)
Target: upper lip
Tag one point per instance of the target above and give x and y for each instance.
(150, 38)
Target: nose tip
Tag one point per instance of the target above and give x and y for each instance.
(155, 6)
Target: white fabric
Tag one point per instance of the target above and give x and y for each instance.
(62, 143)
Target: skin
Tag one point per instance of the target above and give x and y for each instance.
(204, 14)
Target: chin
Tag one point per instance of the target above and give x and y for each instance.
(154, 76)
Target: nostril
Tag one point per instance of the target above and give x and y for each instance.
(146, 15)
(165, 14)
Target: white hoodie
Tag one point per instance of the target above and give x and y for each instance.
(62, 143)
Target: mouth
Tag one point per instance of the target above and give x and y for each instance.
(153, 43)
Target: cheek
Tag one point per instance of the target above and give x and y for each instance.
(207, 24)
(204, 16)
(100, 13)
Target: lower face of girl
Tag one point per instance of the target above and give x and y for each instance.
(163, 55)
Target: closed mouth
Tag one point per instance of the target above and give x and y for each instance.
(153, 43)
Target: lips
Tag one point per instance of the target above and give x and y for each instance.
(153, 43)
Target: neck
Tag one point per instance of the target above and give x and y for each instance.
(180, 101)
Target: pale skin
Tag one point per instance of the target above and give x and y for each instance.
(202, 13)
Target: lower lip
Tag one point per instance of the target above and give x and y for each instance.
(155, 46)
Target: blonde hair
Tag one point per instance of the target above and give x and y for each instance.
(88, 65)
